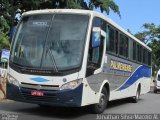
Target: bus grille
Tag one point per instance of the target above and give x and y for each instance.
(39, 86)
(49, 96)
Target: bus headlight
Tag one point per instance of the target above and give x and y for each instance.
(71, 85)
(12, 80)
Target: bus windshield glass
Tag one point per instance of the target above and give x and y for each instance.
(50, 42)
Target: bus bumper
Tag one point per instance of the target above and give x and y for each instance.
(64, 98)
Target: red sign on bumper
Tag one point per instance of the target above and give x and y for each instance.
(37, 93)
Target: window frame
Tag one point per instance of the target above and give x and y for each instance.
(125, 38)
(127, 56)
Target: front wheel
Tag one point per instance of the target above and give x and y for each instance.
(155, 91)
(103, 101)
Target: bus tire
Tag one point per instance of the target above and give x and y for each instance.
(135, 99)
(103, 101)
(155, 91)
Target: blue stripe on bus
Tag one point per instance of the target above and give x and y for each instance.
(142, 71)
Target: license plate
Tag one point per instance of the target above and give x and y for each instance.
(37, 93)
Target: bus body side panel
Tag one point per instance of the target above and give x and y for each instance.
(145, 85)
(131, 90)
(92, 89)
(123, 77)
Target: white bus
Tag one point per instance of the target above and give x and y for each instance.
(75, 58)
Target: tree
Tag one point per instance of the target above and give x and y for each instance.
(104, 5)
(4, 27)
(74, 4)
(4, 23)
(155, 45)
(151, 32)
(68, 4)
(4, 43)
(151, 36)
(128, 30)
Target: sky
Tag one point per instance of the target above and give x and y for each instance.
(134, 13)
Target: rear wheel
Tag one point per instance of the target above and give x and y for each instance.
(103, 101)
(136, 98)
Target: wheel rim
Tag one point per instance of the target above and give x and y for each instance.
(137, 95)
(101, 101)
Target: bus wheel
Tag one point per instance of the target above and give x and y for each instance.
(155, 91)
(101, 106)
(136, 98)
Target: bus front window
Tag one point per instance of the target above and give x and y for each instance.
(50, 41)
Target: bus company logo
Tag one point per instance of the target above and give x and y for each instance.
(116, 65)
(39, 79)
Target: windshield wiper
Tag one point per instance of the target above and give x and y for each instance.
(19, 65)
(52, 58)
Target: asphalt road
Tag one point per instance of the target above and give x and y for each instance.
(148, 104)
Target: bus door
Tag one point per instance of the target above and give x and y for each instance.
(96, 51)
(96, 55)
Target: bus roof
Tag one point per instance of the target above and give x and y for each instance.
(87, 12)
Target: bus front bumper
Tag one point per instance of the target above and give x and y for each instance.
(64, 98)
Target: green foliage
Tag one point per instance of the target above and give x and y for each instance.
(73, 4)
(151, 32)
(128, 30)
(4, 23)
(155, 45)
(105, 6)
(4, 27)
(151, 36)
(32, 4)
(4, 43)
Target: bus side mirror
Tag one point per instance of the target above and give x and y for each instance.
(96, 37)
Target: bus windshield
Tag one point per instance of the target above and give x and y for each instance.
(50, 42)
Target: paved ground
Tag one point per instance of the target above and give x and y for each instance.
(148, 104)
